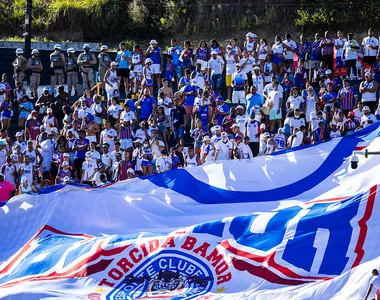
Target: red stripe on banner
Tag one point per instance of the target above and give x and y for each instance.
(363, 226)
(328, 200)
(27, 245)
(269, 259)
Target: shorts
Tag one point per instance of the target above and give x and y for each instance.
(178, 132)
(148, 82)
(290, 62)
(156, 69)
(328, 107)
(278, 58)
(177, 72)
(188, 109)
(314, 64)
(125, 144)
(146, 163)
(254, 148)
(238, 97)
(339, 63)
(162, 128)
(351, 63)
(273, 115)
(228, 80)
(124, 72)
(216, 81)
(328, 60)
(168, 123)
(249, 78)
(369, 60)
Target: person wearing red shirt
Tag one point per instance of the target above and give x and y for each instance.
(6, 190)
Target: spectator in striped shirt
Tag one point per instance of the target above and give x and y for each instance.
(123, 167)
(315, 56)
(327, 51)
(303, 51)
(32, 128)
(348, 97)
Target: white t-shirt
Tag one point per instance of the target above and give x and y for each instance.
(274, 96)
(292, 44)
(241, 120)
(111, 132)
(269, 87)
(364, 120)
(296, 123)
(163, 163)
(253, 131)
(335, 134)
(230, 64)
(244, 151)
(106, 159)
(28, 171)
(375, 281)
(370, 41)
(248, 66)
(113, 110)
(223, 148)
(128, 115)
(339, 42)
(358, 114)
(350, 53)
(89, 168)
(164, 102)
(216, 65)
(295, 102)
(297, 141)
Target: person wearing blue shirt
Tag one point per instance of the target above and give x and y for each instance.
(130, 102)
(254, 99)
(155, 54)
(123, 58)
(147, 104)
(315, 55)
(222, 110)
(189, 92)
(175, 51)
(80, 146)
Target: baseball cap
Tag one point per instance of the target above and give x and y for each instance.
(57, 46)
(104, 47)
(217, 127)
(138, 141)
(351, 114)
(333, 123)
(238, 65)
(71, 50)
(229, 46)
(368, 73)
(55, 130)
(161, 144)
(366, 108)
(23, 178)
(281, 129)
(114, 63)
(101, 165)
(256, 68)
(263, 126)
(250, 34)
(66, 155)
(34, 112)
(235, 125)
(153, 42)
(49, 110)
(148, 60)
(206, 138)
(214, 52)
(239, 107)
(328, 72)
(88, 154)
(130, 170)
(86, 46)
(18, 134)
(65, 164)
(224, 134)
(203, 69)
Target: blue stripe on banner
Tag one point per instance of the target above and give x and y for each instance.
(184, 183)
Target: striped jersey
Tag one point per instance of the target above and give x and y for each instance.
(348, 97)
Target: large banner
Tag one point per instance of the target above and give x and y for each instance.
(298, 225)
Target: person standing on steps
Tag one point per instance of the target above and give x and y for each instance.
(71, 69)
(104, 64)
(19, 66)
(86, 60)
(57, 64)
(35, 67)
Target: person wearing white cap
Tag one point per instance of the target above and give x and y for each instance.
(250, 45)
(164, 162)
(124, 59)
(246, 63)
(252, 131)
(57, 65)
(216, 132)
(131, 174)
(147, 76)
(232, 59)
(223, 148)
(215, 68)
(207, 150)
(86, 61)
(200, 75)
(71, 69)
(368, 89)
(20, 64)
(155, 54)
(280, 139)
(112, 81)
(26, 187)
(274, 102)
(258, 80)
(368, 118)
(64, 172)
(335, 131)
(35, 68)
(49, 121)
(104, 63)
(89, 168)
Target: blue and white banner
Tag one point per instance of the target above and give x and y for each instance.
(298, 225)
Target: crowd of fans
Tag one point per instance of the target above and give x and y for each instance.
(173, 115)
